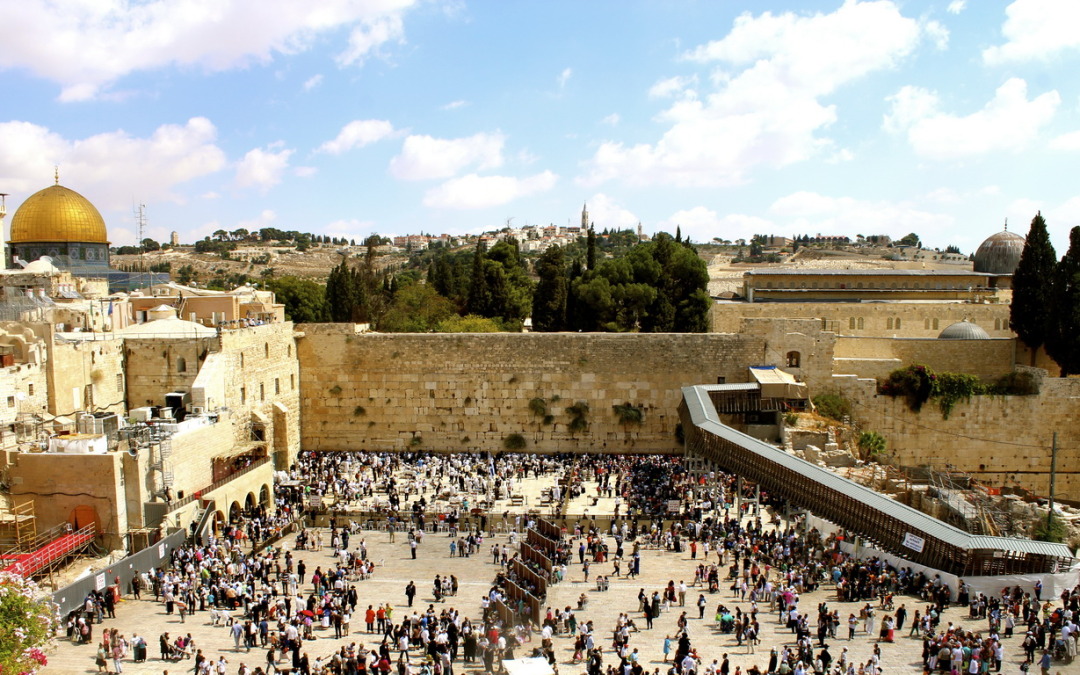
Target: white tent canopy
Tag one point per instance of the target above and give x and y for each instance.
(528, 666)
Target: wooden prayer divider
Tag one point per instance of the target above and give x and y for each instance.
(523, 571)
(549, 529)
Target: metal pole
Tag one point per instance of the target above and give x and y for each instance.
(1053, 472)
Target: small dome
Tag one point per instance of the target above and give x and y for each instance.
(1000, 253)
(963, 330)
(57, 214)
(168, 327)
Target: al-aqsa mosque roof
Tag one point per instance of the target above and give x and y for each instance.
(1000, 253)
(58, 214)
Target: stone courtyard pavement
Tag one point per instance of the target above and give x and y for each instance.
(395, 569)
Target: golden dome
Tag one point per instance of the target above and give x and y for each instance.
(57, 214)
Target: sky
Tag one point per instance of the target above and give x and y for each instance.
(726, 119)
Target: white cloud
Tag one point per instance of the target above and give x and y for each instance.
(313, 82)
(263, 168)
(673, 86)
(480, 192)
(937, 33)
(957, 6)
(564, 77)
(1069, 142)
(1009, 122)
(1036, 30)
(810, 212)
(767, 109)
(606, 212)
(305, 171)
(454, 105)
(703, 224)
(369, 35)
(350, 228)
(425, 157)
(266, 218)
(86, 46)
(612, 120)
(357, 134)
(113, 167)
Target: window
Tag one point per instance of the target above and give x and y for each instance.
(851, 323)
(181, 365)
(926, 324)
(243, 395)
(11, 401)
(292, 382)
(896, 323)
(997, 324)
(793, 359)
(858, 285)
(241, 359)
(935, 324)
(262, 392)
(888, 323)
(119, 382)
(266, 349)
(30, 390)
(277, 385)
(290, 351)
(860, 323)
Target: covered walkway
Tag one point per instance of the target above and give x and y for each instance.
(886, 523)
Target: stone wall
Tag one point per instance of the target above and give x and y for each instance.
(472, 391)
(60, 482)
(877, 357)
(1001, 440)
(86, 375)
(921, 320)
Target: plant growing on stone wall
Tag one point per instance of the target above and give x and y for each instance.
(832, 406)
(915, 383)
(416, 441)
(579, 417)
(1049, 529)
(628, 413)
(791, 419)
(359, 410)
(538, 407)
(949, 388)
(514, 442)
(335, 390)
(97, 375)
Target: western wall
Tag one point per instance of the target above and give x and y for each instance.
(455, 392)
(999, 440)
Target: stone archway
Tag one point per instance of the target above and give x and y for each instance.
(264, 496)
(219, 523)
(235, 512)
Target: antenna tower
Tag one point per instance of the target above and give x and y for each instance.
(140, 227)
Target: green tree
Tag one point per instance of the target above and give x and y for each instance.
(344, 293)
(149, 244)
(590, 249)
(469, 323)
(1031, 313)
(479, 299)
(910, 239)
(549, 299)
(1063, 343)
(304, 300)
(416, 308)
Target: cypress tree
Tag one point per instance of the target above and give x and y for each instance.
(590, 249)
(1063, 345)
(549, 300)
(1031, 315)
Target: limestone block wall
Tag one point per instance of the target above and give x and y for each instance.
(23, 389)
(86, 375)
(471, 391)
(264, 381)
(60, 482)
(877, 357)
(192, 452)
(1001, 440)
(157, 366)
(922, 320)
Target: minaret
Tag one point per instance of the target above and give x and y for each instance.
(584, 217)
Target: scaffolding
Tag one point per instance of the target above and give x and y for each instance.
(18, 526)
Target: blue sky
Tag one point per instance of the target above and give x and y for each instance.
(346, 117)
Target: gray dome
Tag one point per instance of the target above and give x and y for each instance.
(963, 330)
(1000, 253)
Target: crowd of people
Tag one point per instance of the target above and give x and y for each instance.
(749, 572)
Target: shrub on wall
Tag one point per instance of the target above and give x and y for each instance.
(918, 384)
(832, 405)
(628, 413)
(514, 442)
(871, 444)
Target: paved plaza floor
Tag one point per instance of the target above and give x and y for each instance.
(396, 568)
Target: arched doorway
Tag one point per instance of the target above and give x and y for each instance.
(264, 496)
(249, 502)
(219, 523)
(235, 513)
